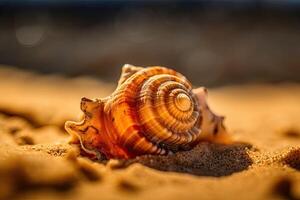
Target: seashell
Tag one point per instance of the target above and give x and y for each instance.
(153, 110)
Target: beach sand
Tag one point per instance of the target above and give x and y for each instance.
(36, 161)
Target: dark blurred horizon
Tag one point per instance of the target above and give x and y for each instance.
(211, 42)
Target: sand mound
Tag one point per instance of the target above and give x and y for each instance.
(205, 159)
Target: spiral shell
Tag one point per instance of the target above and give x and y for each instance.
(153, 111)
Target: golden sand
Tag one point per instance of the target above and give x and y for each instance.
(36, 162)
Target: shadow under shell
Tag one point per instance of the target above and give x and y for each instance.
(206, 159)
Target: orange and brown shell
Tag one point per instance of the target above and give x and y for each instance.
(153, 110)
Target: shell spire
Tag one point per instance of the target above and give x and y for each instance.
(153, 110)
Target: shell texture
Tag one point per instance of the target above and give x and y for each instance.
(154, 110)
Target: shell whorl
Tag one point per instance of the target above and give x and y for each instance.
(162, 110)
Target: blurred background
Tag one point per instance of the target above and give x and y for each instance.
(212, 42)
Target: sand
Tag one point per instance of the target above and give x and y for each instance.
(36, 161)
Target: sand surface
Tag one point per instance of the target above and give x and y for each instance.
(36, 162)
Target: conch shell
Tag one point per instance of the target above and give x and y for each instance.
(153, 110)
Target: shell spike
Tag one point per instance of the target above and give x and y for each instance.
(89, 107)
(201, 93)
(127, 71)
